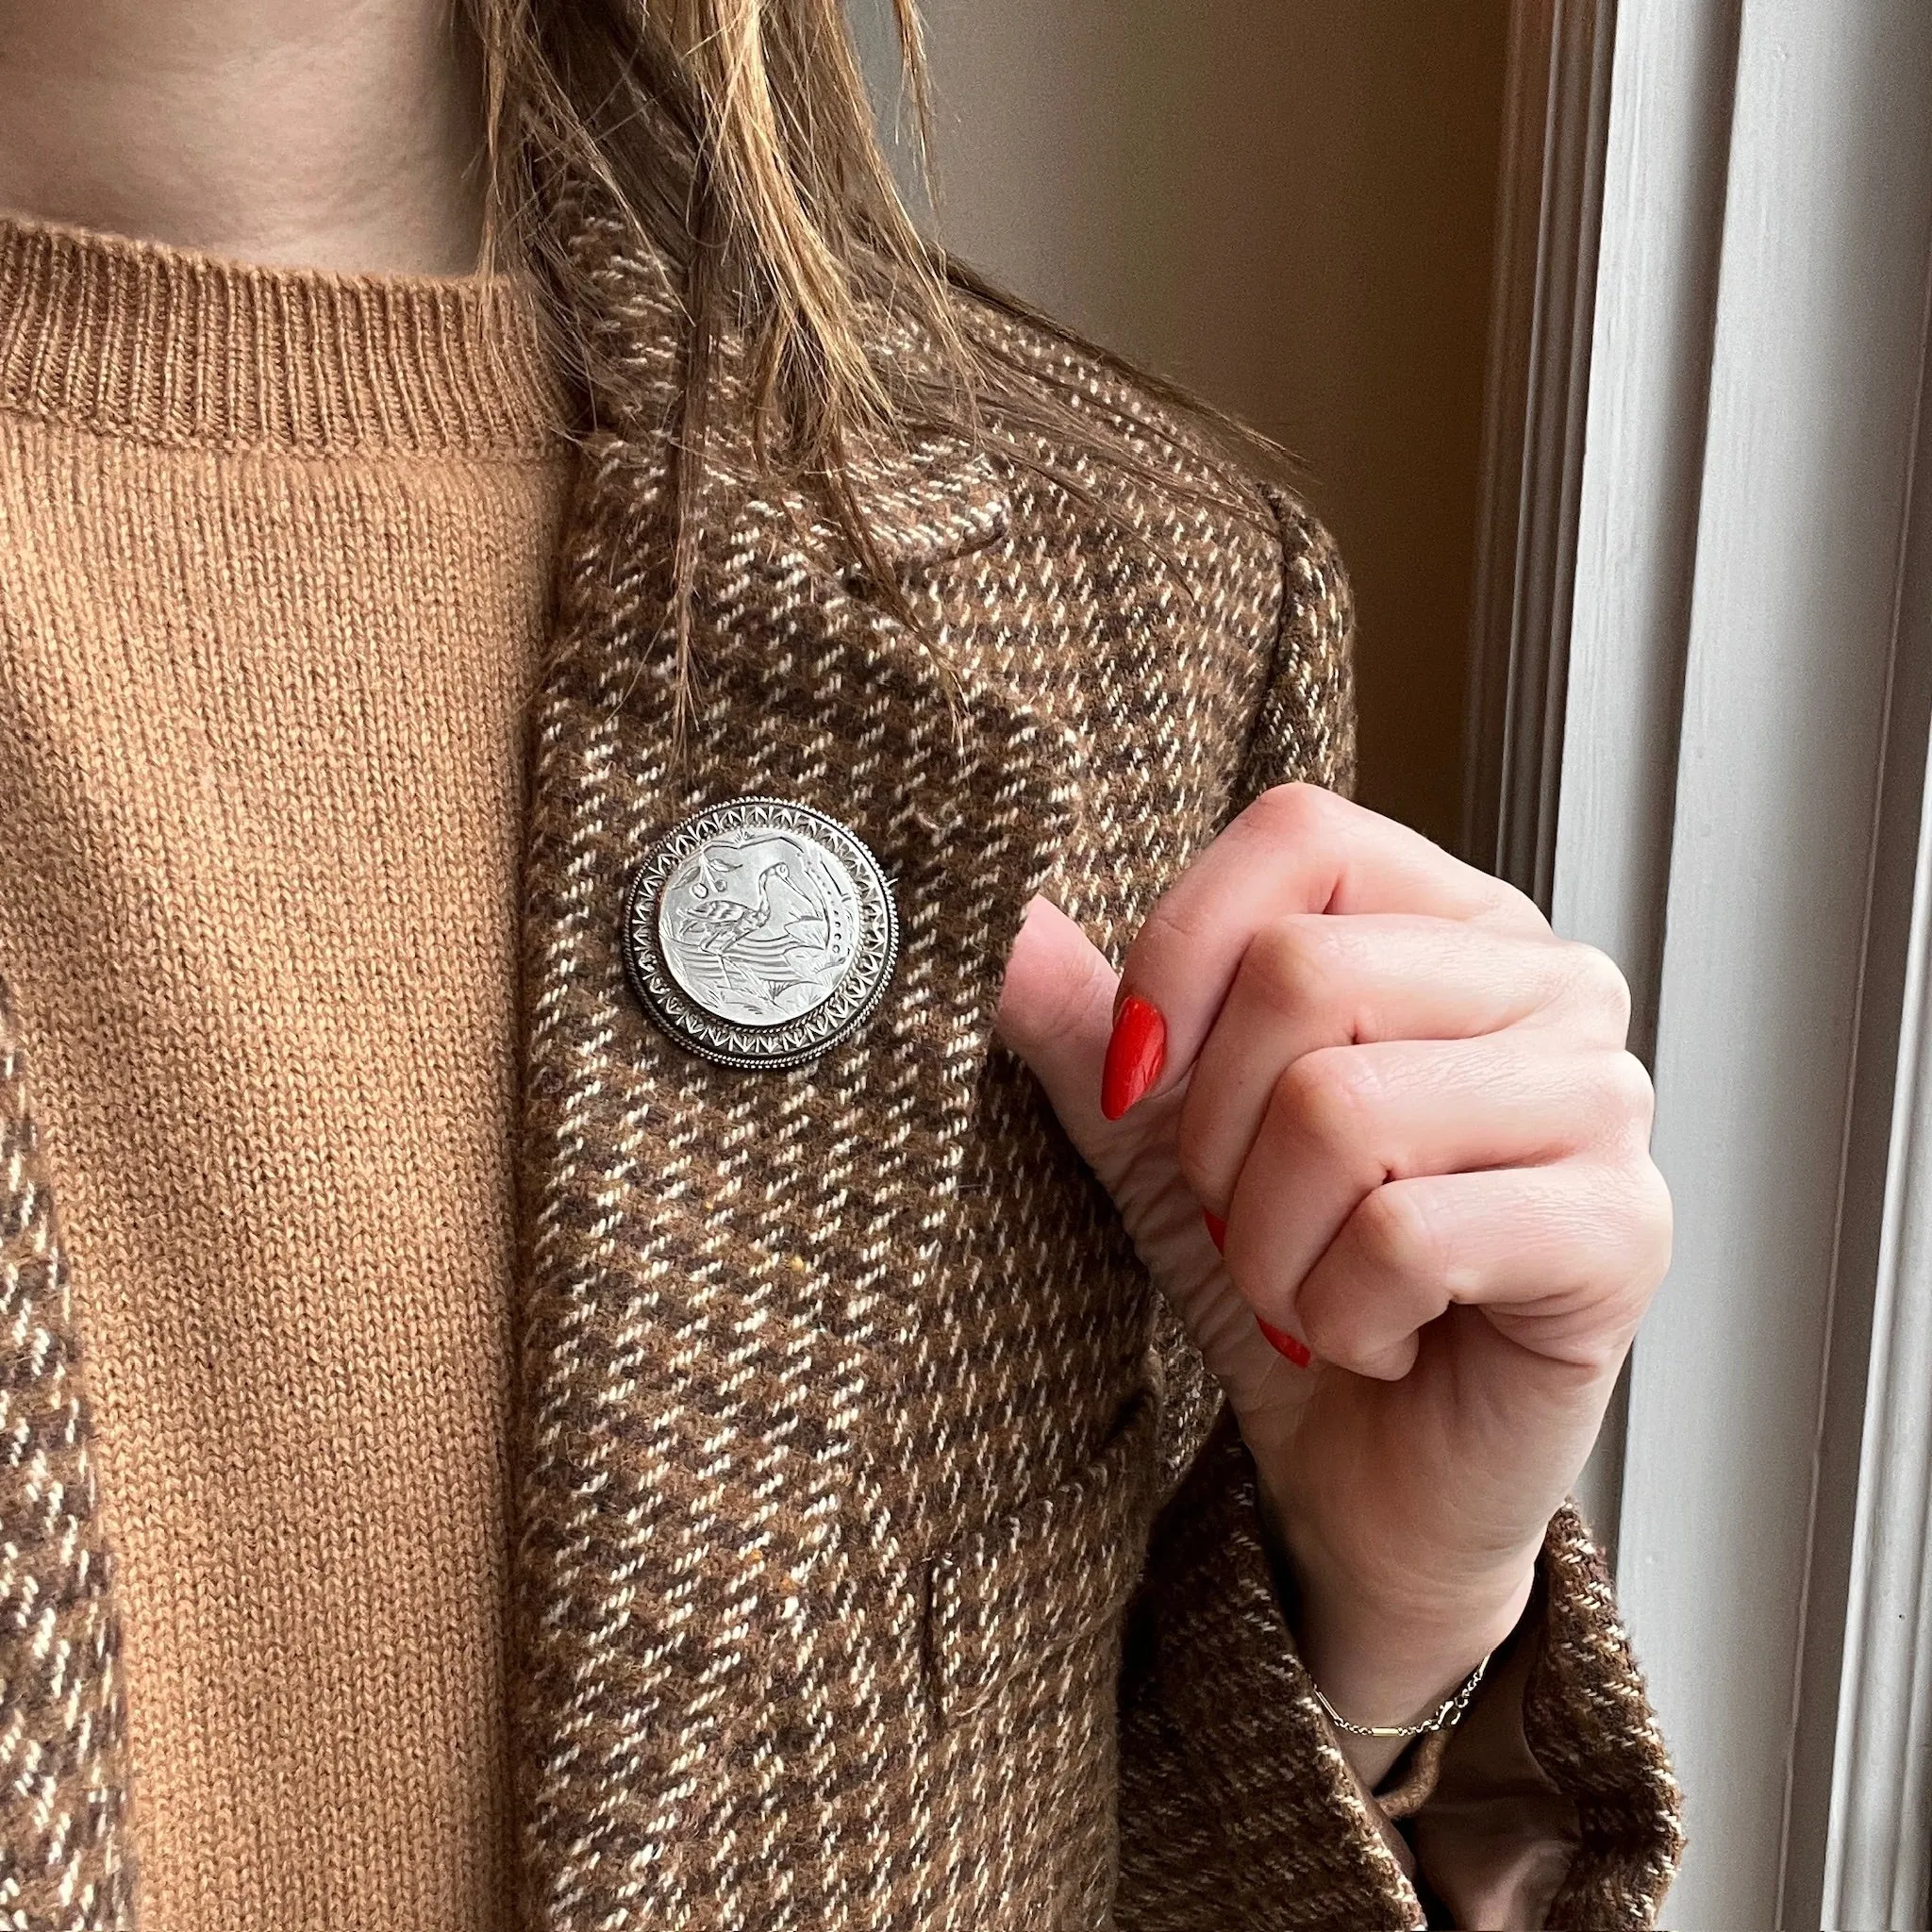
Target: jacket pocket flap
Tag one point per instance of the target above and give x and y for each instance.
(1046, 1575)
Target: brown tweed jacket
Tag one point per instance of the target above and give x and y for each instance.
(882, 1562)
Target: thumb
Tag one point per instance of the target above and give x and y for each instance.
(1056, 1011)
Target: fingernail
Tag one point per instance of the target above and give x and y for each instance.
(1282, 1342)
(1135, 1055)
(1217, 1228)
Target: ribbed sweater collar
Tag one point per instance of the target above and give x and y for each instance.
(168, 347)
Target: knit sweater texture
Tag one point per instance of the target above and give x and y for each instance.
(278, 549)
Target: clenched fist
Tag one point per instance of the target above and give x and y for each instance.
(1374, 1132)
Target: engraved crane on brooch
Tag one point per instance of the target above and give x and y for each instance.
(754, 919)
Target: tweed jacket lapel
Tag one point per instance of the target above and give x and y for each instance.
(723, 1264)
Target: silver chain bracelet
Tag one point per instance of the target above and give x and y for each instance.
(1446, 1714)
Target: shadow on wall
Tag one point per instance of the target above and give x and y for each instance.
(1286, 206)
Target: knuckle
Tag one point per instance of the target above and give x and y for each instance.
(1327, 1096)
(1630, 1098)
(1338, 1332)
(1598, 984)
(1517, 907)
(1626, 1217)
(1294, 812)
(1653, 1217)
(1329, 1328)
(1175, 929)
(1494, 902)
(1396, 1237)
(1291, 963)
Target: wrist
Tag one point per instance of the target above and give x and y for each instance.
(1380, 1668)
(1378, 1672)
(1387, 1641)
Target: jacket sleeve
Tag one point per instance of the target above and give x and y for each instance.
(1550, 1804)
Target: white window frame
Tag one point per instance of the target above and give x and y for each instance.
(1740, 819)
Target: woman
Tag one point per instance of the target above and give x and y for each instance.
(1110, 1472)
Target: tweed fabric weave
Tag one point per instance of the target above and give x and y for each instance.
(65, 1859)
(849, 1411)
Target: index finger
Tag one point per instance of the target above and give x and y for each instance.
(1295, 850)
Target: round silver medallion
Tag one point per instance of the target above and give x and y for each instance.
(759, 933)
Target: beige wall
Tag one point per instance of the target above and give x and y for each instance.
(1286, 204)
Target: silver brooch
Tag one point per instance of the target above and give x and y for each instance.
(759, 933)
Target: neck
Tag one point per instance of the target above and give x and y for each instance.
(335, 134)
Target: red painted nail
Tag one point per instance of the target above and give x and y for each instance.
(1217, 1228)
(1282, 1342)
(1135, 1055)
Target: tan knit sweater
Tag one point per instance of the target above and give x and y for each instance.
(274, 554)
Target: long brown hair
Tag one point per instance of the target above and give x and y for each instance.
(733, 141)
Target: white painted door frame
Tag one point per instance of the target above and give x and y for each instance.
(1747, 679)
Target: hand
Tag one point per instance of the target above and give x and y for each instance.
(1405, 1107)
